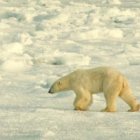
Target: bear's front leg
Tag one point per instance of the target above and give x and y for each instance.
(82, 101)
(80, 104)
(110, 98)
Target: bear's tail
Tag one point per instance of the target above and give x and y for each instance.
(125, 87)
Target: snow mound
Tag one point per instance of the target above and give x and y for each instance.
(17, 63)
(64, 58)
(14, 59)
(26, 38)
(16, 48)
(99, 34)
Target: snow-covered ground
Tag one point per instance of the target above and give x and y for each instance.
(42, 40)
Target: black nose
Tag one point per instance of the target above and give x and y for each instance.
(50, 91)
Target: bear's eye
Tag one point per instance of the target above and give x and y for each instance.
(59, 83)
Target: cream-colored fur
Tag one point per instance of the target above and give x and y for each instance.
(87, 82)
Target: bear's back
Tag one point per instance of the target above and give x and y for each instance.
(96, 73)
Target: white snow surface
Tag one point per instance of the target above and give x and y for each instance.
(42, 40)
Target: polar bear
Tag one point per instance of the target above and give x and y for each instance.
(86, 82)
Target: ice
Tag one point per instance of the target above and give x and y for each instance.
(26, 38)
(63, 58)
(99, 34)
(17, 63)
(49, 134)
(16, 48)
(41, 41)
(13, 57)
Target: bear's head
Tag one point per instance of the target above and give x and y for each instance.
(61, 84)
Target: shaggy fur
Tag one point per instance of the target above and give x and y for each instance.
(87, 82)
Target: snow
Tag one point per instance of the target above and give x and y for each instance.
(42, 40)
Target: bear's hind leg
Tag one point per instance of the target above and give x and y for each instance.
(111, 87)
(82, 101)
(128, 97)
